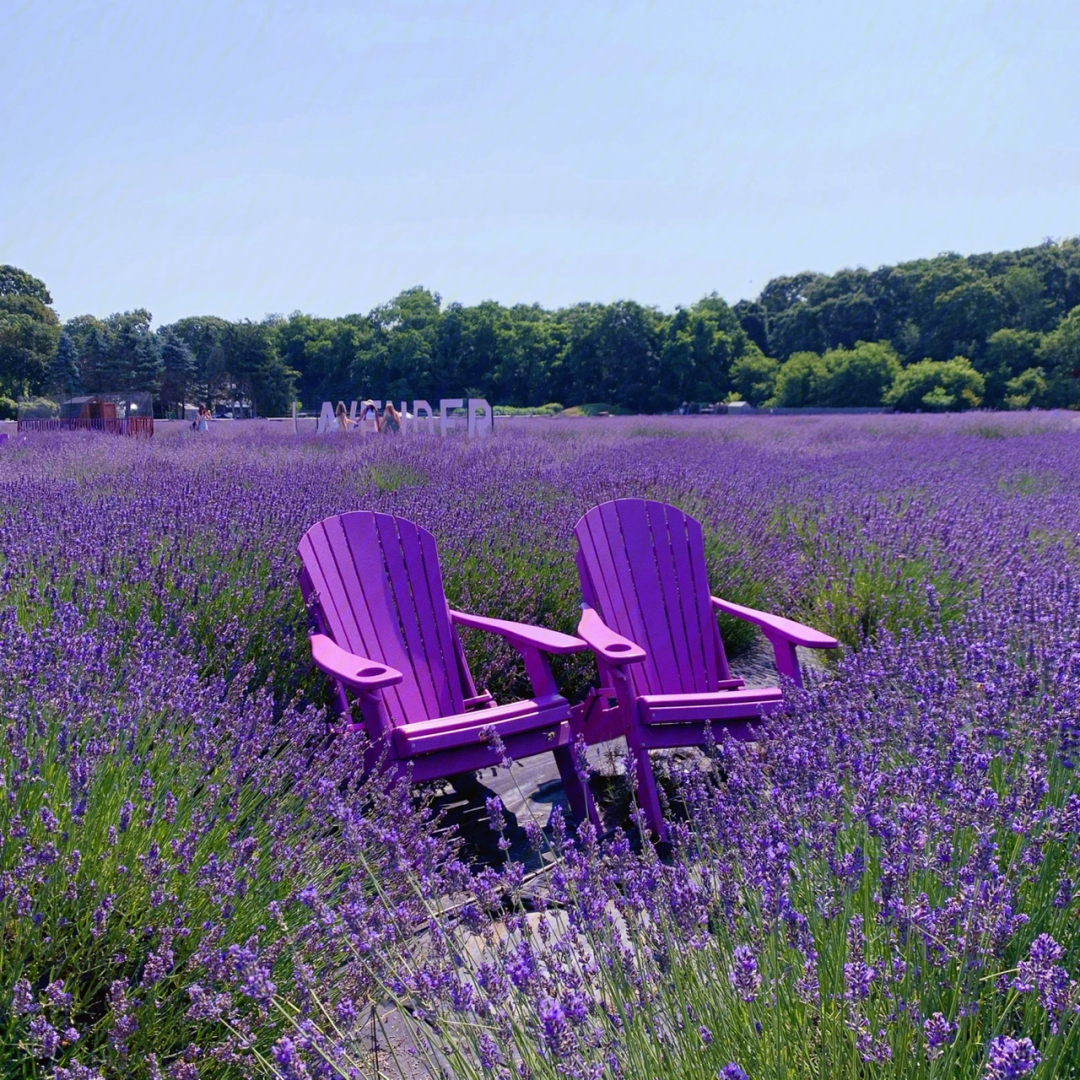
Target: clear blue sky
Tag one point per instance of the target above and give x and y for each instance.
(238, 158)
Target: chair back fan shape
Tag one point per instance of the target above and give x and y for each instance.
(380, 595)
(642, 567)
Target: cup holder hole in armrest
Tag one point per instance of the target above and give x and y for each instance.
(370, 672)
(619, 646)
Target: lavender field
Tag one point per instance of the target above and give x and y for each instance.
(195, 881)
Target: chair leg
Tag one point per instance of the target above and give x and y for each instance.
(578, 793)
(647, 795)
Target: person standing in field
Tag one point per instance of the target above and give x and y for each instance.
(204, 418)
(391, 419)
(341, 417)
(369, 417)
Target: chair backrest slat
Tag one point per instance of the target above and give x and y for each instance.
(659, 639)
(643, 565)
(695, 591)
(672, 602)
(319, 560)
(612, 594)
(421, 577)
(381, 596)
(371, 596)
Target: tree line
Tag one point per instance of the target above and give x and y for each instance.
(952, 332)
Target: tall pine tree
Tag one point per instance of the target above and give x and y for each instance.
(63, 373)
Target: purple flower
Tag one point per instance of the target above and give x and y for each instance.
(286, 1058)
(123, 1024)
(938, 1032)
(45, 1038)
(22, 1000)
(554, 1029)
(1039, 974)
(1011, 1058)
(731, 1071)
(490, 1058)
(55, 996)
(744, 974)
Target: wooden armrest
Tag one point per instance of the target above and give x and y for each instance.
(522, 634)
(354, 671)
(611, 647)
(775, 626)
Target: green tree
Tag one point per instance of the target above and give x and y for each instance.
(178, 371)
(204, 335)
(1008, 353)
(16, 282)
(613, 355)
(63, 374)
(258, 375)
(324, 353)
(401, 355)
(29, 331)
(699, 345)
(859, 377)
(1027, 389)
(132, 355)
(1060, 355)
(527, 373)
(1023, 290)
(963, 318)
(937, 386)
(801, 381)
(753, 376)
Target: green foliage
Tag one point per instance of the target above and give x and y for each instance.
(178, 370)
(38, 408)
(937, 386)
(623, 353)
(29, 330)
(932, 308)
(754, 377)
(857, 377)
(1060, 355)
(63, 374)
(16, 282)
(258, 374)
(204, 338)
(844, 336)
(551, 409)
(801, 381)
(1026, 390)
(595, 408)
(860, 377)
(1008, 354)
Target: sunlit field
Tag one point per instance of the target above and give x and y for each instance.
(196, 882)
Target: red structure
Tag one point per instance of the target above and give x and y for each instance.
(110, 413)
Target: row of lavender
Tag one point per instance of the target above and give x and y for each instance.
(188, 888)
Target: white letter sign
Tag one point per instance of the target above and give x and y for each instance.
(445, 405)
(479, 417)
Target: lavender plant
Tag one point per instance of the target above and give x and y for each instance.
(193, 882)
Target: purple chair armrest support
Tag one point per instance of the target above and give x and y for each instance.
(354, 671)
(609, 646)
(522, 634)
(775, 626)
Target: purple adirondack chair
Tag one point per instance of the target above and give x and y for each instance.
(650, 620)
(385, 632)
